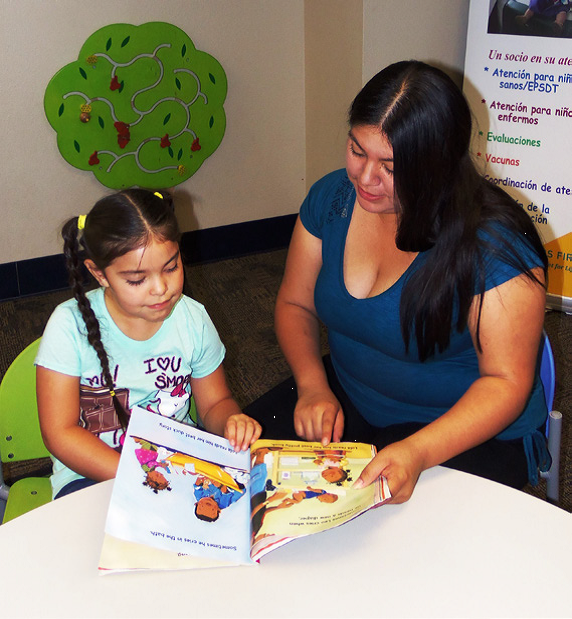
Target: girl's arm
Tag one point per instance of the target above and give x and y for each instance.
(318, 415)
(76, 447)
(220, 414)
(510, 331)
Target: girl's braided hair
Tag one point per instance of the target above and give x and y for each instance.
(116, 225)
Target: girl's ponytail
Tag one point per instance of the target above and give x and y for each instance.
(73, 260)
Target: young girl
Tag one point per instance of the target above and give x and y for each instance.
(136, 341)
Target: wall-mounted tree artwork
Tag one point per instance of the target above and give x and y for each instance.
(140, 107)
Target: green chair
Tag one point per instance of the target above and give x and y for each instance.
(20, 437)
(193, 413)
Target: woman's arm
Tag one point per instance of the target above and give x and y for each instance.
(76, 447)
(510, 331)
(220, 414)
(318, 415)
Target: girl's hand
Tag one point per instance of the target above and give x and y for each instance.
(318, 416)
(220, 414)
(400, 465)
(241, 431)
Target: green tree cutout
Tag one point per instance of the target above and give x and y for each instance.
(141, 106)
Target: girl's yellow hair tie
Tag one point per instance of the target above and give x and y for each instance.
(81, 222)
(159, 195)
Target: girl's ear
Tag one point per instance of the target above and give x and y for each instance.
(97, 273)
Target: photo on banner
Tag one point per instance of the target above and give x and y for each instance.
(518, 80)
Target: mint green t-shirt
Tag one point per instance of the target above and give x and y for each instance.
(153, 374)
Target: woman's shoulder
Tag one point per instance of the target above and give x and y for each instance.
(331, 182)
(505, 224)
(328, 200)
(500, 237)
(507, 253)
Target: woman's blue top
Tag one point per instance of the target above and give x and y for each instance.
(387, 384)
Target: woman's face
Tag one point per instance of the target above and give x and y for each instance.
(369, 164)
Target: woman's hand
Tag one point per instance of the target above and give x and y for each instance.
(241, 431)
(400, 464)
(318, 416)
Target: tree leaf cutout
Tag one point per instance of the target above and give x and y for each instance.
(125, 41)
(179, 154)
(77, 146)
(212, 78)
(83, 73)
(101, 123)
(61, 110)
(167, 118)
(108, 44)
(211, 122)
(171, 152)
(178, 83)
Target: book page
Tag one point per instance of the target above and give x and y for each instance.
(299, 488)
(182, 490)
(118, 555)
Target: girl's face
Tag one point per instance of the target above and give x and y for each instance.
(143, 285)
(369, 164)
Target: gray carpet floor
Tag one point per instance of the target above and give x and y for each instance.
(239, 295)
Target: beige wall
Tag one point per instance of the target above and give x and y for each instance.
(355, 41)
(258, 170)
(433, 31)
(293, 67)
(334, 55)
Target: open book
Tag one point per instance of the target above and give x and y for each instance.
(183, 498)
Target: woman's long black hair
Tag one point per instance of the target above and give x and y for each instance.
(117, 224)
(442, 200)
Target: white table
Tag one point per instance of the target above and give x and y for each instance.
(461, 547)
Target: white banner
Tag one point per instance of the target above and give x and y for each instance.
(518, 80)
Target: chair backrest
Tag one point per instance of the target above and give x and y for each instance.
(20, 437)
(547, 370)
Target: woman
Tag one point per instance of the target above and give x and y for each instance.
(430, 281)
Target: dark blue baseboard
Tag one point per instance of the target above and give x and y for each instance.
(236, 240)
(46, 274)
